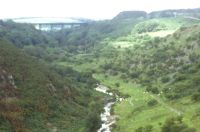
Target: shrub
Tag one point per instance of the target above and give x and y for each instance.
(117, 84)
(165, 79)
(149, 27)
(157, 39)
(180, 77)
(152, 102)
(196, 97)
(154, 90)
(135, 74)
(113, 73)
(175, 124)
(147, 128)
(93, 122)
(123, 76)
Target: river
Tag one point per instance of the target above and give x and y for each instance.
(106, 118)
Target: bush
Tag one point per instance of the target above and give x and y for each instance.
(113, 73)
(165, 79)
(180, 77)
(157, 39)
(135, 74)
(147, 128)
(106, 66)
(123, 76)
(117, 84)
(152, 102)
(93, 122)
(154, 90)
(175, 124)
(196, 97)
(149, 27)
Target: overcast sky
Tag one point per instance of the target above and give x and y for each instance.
(93, 9)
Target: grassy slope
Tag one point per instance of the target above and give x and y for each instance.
(140, 114)
(170, 26)
(134, 111)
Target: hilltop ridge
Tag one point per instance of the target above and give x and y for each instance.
(159, 14)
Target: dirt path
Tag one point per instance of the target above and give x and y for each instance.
(167, 106)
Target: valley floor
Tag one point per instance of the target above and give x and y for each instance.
(134, 111)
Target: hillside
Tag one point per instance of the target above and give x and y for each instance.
(160, 14)
(47, 79)
(35, 96)
(130, 14)
(160, 75)
(177, 12)
(152, 73)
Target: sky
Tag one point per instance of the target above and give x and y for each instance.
(92, 9)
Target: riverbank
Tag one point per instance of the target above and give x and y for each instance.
(107, 118)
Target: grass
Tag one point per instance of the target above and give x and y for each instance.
(134, 112)
(172, 24)
(86, 66)
(122, 44)
(161, 33)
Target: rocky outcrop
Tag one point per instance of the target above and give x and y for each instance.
(9, 97)
(8, 88)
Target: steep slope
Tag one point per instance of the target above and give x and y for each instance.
(174, 54)
(36, 97)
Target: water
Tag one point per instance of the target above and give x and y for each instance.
(106, 117)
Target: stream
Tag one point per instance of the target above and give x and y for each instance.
(106, 118)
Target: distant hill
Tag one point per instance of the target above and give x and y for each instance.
(131, 14)
(158, 14)
(173, 13)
